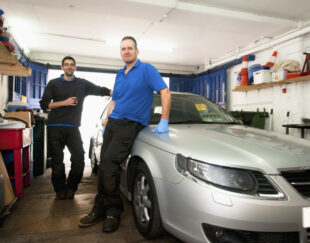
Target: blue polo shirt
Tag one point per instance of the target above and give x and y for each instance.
(133, 92)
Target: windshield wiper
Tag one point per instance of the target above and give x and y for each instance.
(194, 122)
(239, 123)
(201, 122)
(186, 122)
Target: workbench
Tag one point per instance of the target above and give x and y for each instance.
(302, 128)
(18, 140)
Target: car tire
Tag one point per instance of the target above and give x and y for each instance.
(93, 160)
(91, 144)
(145, 204)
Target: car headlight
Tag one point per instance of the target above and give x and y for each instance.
(224, 177)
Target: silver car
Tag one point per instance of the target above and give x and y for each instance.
(211, 179)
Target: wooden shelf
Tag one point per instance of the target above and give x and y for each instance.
(9, 65)
(244, 88)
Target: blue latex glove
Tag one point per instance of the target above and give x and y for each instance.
(162, 126)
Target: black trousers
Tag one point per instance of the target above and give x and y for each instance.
(58, 138)
(119, 136)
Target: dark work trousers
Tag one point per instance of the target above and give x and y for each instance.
(119, 136)
(59, 137)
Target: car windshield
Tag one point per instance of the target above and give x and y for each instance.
(191, 109)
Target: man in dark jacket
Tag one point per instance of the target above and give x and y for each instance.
(64, 96)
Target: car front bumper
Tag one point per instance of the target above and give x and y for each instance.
(187, 205)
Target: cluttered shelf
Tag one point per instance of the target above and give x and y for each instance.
(244, 88)
(9, 65)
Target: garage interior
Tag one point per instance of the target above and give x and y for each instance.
(198, 46)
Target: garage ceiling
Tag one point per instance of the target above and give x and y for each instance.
(178, 32)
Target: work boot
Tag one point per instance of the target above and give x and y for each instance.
(110, 224)
(61, 195)
(90, 219)
(70, 193)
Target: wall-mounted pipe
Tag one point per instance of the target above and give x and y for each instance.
(260, 47)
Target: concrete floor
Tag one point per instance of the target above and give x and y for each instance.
(38, 217)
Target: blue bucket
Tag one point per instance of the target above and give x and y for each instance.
(253, 68)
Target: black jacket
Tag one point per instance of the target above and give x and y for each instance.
(59, 90)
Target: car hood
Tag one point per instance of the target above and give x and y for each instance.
(232, 145)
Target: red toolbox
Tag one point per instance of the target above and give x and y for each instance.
(18, 140)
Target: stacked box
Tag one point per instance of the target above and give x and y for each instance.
(279, 75)
(262, 76)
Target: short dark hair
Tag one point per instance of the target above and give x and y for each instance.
(67, 58)
(130, 38)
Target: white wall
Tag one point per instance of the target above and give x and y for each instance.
(295, 100)
(4, 92)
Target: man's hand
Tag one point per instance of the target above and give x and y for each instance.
(162, 126)
(105, 122)
(72, 101)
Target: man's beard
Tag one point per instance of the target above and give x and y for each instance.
(130, 61)
(69, 74)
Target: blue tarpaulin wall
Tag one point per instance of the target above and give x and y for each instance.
(32, 87)
(211, 86)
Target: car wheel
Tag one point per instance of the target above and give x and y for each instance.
(145, 205)
(91, 144)
(93, 160)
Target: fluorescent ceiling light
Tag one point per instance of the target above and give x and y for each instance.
(19, 28)
(145, 47)
(162, 3)
(156, 48)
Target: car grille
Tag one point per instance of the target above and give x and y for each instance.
(231, 235)
(300, 180)
(264, 186)
(270, 237)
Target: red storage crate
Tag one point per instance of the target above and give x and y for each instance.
(293, 75)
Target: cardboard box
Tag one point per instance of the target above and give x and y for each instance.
(20, 115)
(262, 76)
(279, 75)
(9, 195)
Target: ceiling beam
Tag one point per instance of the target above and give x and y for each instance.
(180, 5)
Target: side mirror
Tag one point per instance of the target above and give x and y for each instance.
(240, 121)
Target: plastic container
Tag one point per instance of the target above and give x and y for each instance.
(9, 124)
(293, 75)
(279, 75)
(15, 105)
(262, 76)
(253, 68)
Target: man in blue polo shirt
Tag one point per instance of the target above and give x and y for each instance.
(128, 113)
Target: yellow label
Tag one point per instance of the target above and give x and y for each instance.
(201, 107)
(24, 99)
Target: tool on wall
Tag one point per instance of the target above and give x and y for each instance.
(306, 67)
(271, 120)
